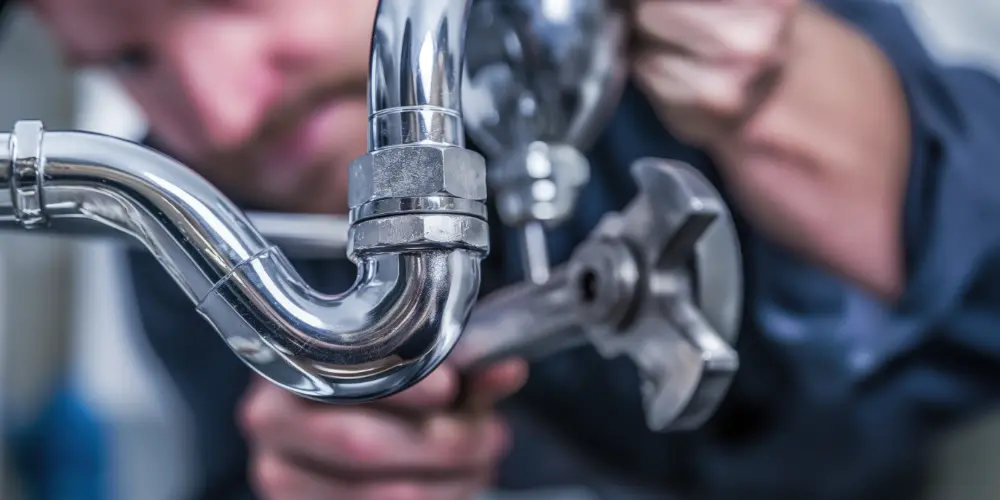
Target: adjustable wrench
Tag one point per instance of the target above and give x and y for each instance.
(659, 282)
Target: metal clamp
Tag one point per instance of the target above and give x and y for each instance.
(28, 174)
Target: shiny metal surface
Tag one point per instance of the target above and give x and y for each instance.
(418, 256)
(542, 70)
(413, 232)
(299, 236)
(416, 170)
(674, 306)
(416, 205)
(394, 326)
(401, 318)
(535, 252)
(659, 282)
(537, 187)
(539, 182)
(541, 78)
(524, 320)
(198, 235)
(418, 259)
(416, 73)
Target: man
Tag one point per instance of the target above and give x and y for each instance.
(862, 177)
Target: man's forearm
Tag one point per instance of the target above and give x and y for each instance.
(821, 166)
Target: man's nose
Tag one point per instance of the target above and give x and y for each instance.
(225, 82)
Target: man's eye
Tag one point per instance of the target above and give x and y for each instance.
(131, 61)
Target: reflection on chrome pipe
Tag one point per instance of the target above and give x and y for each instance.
(299, 236)
(417, 224)
(396, 324)
(416, 73)
(401, 318)
(418, 228)
(528, 320)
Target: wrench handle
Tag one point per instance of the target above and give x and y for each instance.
(526, 320)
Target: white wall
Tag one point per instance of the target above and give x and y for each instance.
(959, 31)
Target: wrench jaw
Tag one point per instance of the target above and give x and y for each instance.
(660, 283)
(686, 367)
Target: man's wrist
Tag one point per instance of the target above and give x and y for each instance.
(828, 64)
(821, 166)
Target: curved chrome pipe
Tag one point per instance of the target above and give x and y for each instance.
(395, 325)
(418, 229)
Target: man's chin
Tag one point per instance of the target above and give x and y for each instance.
(319, 188)
(319, 193)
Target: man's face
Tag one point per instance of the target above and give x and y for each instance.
(265, 97)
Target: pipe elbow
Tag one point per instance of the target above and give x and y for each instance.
(399, 321)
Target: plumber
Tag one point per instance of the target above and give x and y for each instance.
(862, 172)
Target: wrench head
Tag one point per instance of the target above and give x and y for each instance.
(660, 282)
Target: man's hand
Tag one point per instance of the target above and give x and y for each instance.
(706, 65)
(414, 445)
(804, 116)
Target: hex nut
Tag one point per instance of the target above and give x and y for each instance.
(419, 231)
(417, 170)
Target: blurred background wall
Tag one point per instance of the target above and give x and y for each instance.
(964, 32)
(32, 83)
(70, 346)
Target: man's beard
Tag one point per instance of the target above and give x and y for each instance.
(236, 171)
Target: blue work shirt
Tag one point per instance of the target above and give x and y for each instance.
(838, 394)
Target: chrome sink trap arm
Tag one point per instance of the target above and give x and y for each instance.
(418, 227)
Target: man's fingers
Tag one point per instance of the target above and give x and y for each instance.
(438, 390)
(364, 437)
(718, 91)
(368, 440)
(481, 389)
(442, 387)
(498, 381)
(278, 479)
(267, 408)
(435, 391)
(719, 32)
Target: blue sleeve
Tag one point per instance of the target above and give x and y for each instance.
(933, 360)
(893, 378)
(951, 226)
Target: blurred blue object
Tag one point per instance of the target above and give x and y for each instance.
(62, 455)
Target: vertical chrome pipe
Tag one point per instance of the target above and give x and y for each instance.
(417, 57)
(418, 191)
